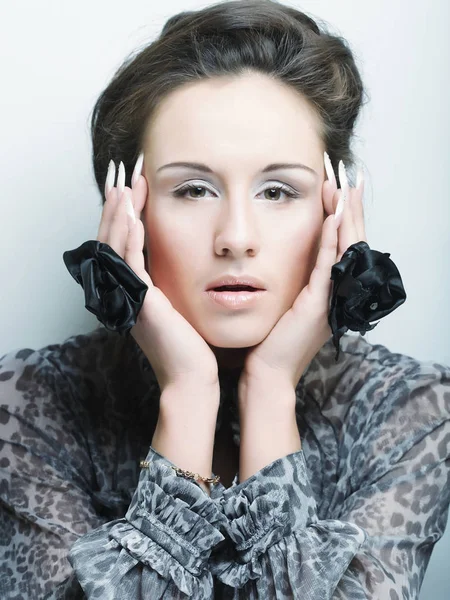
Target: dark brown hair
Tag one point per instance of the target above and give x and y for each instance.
(229, 38)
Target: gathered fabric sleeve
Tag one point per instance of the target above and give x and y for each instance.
(54, 544)
(388, 509)
(160, 548)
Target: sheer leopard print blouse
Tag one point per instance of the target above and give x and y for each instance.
(353, 515)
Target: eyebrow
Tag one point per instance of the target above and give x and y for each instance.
(271, 167)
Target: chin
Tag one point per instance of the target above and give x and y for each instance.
(231, 340)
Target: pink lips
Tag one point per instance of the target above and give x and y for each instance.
(235, 300)
(232, 280)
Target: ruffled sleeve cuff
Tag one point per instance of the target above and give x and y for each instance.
(170, 527)
(274, 503)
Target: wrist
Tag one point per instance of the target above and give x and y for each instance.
(189, 394)
(268, 423)
(185, 430)
(275, 390)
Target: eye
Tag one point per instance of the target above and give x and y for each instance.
(181, 192)
(290, 192)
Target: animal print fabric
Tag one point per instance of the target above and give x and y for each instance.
(353, 515)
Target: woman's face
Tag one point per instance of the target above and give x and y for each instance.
(236, 223)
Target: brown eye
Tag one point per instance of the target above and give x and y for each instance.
(181, 193)
(274, 191)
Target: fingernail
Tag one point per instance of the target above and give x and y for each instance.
(137, 169)
(339, 210)
(110, 177)
(129, 207)
(344, 181)
(329, 169)
(121, 179)
(359, 177)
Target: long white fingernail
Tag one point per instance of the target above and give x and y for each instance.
(340, 208)
(121, 179)
(110, 177)
(359, 177)
(129, 207)
(343, 180)
(329, 169)
(137, 169)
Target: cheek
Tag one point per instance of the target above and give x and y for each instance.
(301, 250)
(161, 234)
(302, 236)
(172, 255)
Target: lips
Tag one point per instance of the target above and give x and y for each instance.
(235, 283)
(236, 300)
(235, 288)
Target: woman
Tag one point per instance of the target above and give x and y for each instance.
(333, 473)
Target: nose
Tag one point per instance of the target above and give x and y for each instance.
(236, 233)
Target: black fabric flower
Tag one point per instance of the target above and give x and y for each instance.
(113, 292)
(366, 286)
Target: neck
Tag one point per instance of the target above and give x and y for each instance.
(230, 359)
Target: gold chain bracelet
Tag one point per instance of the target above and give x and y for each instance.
(145, 464)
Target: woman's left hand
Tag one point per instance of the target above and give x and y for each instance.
(300, 333)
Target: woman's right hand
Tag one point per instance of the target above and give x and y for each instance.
(176, 351)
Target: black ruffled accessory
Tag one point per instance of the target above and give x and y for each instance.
(366, 286)
(113, 292)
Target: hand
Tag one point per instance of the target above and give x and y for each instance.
(175, 350)
(300, 333)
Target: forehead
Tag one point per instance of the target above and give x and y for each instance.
(232, 117)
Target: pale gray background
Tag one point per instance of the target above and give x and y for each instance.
(56, 58)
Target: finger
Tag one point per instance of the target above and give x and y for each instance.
(109, 208)
(347, 231)
(328, 190)
(134, 255)
(319, 282)
(140, 190)
(358, 212)
(119, 227)
(139, 195)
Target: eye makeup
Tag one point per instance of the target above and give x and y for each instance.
(287, 190)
